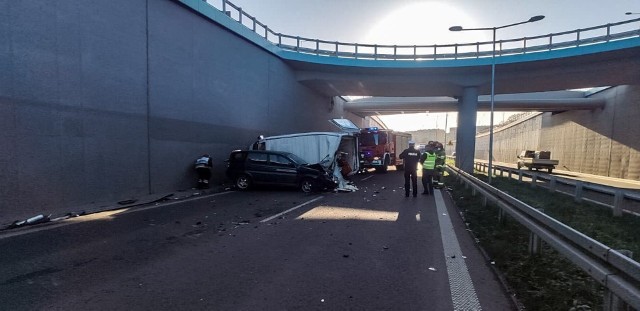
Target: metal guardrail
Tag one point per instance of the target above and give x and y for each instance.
(619, 195)
(615, 271)
(543, 43)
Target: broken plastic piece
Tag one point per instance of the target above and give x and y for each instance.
(35, 219)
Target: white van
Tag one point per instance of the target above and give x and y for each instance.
(319, 147)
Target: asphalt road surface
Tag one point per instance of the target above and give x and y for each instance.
(266, 249)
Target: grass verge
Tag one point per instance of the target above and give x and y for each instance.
(546, 281)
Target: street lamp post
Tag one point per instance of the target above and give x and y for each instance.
(493, 75)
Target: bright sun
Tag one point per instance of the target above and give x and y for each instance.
(423, 23)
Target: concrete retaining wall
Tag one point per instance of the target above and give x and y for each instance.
(107, 100)
(601, 142)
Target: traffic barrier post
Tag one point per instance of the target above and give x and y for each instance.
(618, 201)
(553, 181)
(535, 243)
(579, 190)
(611, 301)
(502, 216)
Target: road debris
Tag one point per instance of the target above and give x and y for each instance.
(38, 219)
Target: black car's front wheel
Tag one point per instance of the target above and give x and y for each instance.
(307, 185)
(243, 182)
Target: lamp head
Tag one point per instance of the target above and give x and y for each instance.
(536, 18)
(455, 28)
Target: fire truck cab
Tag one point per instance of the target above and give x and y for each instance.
(379, 148)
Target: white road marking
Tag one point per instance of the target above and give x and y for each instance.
(100, 215)
(175, 202)
(291, 209)
(366, 178)
(463, 294)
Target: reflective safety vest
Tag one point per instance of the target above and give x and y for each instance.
(430, 162)
(202, 162)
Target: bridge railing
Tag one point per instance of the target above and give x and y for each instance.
(543, 43)
(619, 274)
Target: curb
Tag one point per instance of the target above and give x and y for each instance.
(44, 219)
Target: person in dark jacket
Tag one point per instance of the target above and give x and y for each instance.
(441, 157)
(411, 156)
(203, 168)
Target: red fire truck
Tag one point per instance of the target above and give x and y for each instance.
(380, 148)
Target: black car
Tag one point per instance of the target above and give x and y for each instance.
(260, 167)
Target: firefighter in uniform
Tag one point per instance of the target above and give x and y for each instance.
(440, 160)
(203, 168)
(411, 156)
(428, 161)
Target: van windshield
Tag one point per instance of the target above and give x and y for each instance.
(297, 159)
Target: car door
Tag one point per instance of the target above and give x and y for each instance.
(257, 166)
(283, 169)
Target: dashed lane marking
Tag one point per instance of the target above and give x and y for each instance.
(291, 209)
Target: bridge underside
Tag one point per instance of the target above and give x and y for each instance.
(546, 101)
(617, 67)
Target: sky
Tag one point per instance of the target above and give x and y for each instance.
(406, 22)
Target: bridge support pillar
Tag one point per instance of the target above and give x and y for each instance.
(466, 135)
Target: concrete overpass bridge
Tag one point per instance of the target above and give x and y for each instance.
(453, 77)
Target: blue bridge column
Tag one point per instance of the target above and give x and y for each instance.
(466, 136)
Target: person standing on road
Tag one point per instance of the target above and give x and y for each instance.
(428, 161)
(411, 156)
(203, 168)
(441, 157)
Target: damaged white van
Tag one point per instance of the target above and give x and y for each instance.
(332, 150)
